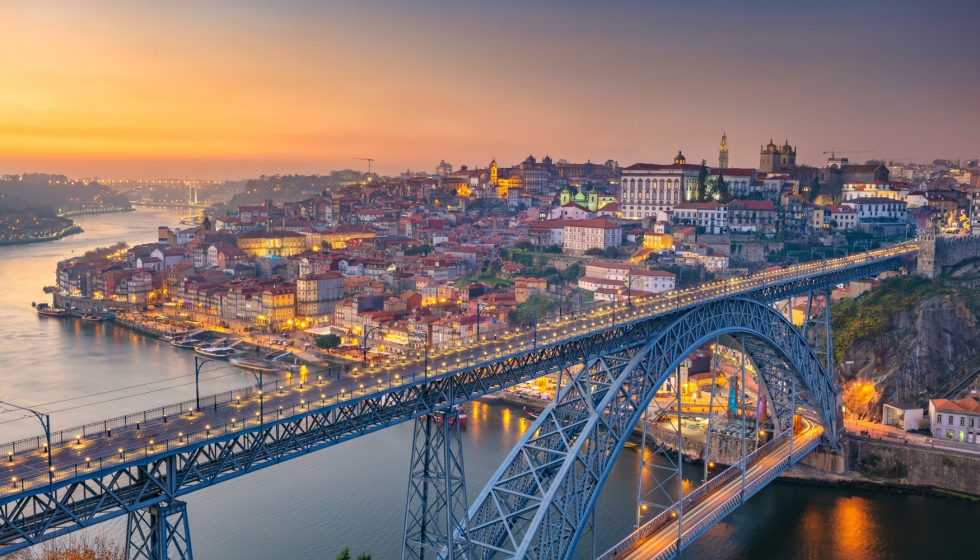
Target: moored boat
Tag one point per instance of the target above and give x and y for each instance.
(185, 342)
(259, 365)
(48, 311)
(215, 352)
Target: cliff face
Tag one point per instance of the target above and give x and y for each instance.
(925, 335)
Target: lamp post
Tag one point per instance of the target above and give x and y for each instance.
(425, 346)
(479, 307)
(629, 290)
(45, 420)
(367, 330)
(198, 364)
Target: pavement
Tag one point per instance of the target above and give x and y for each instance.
(69, 460)
(894, 435)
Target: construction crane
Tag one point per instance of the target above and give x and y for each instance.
(833, 152)
(367, 159)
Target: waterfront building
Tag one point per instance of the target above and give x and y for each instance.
(957, 420)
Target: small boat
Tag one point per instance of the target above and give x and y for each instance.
(95, 318)
(48, 311)
(185, 342)
(629, 445)
(531, 413)
(215, 352)
(260, 365)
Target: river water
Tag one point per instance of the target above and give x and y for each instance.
(354, 494)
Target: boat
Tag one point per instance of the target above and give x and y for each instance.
(259, 365)
(531, 413)
(95, 318)
(48, 311)
(185, 342)
(215, 352)
(629, 444)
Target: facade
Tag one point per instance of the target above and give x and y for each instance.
(902, 416)
(871, 210)
(955, 420)
(775, 158)
(649, 190)
(280, 243)
(874, 189)
(712, 216)
(600, 233)
(752, 215)
(524, 288)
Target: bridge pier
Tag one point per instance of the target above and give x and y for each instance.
(435, 510)
(159, 532)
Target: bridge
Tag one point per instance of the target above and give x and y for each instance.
(613, 361)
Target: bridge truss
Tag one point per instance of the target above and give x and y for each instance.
(93, 494)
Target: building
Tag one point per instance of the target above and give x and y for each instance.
(872, 210)
(874, 189)
(649, 190)
(599, 233)
(723, 152)
(278, 306)
(955, 420)
(902, 416)
(279, 243)
(752, 215)
(712, 216)
(317, 294)
(652, 281)
(524, 288)
(773, 158)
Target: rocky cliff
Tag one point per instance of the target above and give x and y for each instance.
(914, 338)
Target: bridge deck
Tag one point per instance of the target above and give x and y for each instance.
(90, 455)
(658, 540)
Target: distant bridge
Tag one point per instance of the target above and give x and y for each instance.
(612, 360)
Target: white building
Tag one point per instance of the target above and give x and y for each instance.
(844, 215)
(875, 189)
(878, 209)
(955, 420)
(713, 216)
(600, 233)
(650, 190)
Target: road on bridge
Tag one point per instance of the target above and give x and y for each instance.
(663, 538)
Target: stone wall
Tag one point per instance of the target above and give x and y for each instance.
(937, 254)
(926, 467)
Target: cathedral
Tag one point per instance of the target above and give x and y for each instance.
(777, 158)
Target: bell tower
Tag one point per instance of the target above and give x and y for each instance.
(493, 171)
(723, 152)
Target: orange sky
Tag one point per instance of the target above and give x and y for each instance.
(229, 90)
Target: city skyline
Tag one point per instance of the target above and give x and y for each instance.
(204, 91)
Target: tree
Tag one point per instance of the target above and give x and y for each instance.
(719, 189)
(593, 251)
(328, 341)
(701, 195)
(555, 249)
(325, 245)
(423, 249)
(344, 554)
(611, 252)
(524, 244)
(364, 556)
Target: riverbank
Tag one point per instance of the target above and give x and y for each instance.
(88, 211)
(61, 234)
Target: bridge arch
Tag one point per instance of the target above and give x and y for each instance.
(537, 503)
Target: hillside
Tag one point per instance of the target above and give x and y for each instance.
(914, 338)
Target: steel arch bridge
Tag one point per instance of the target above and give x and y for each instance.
(78, 493)
(537, 504)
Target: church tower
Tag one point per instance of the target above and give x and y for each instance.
(593, 200)
(493, 171)
(723, 153)
(566, 196)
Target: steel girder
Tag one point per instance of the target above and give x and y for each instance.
(97, 495)
(159, 533)
(435, 511)
(537, 503)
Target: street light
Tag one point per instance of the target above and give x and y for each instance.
(425, 345)
(479, 307)
(45, 420)
(368, 330)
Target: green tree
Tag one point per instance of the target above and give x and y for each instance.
(556, 249)
(701, 194)
(524, 244)
(328, 341)
(611, 252)
(344, 554)
(423, 249)
(364, 556)
(325, 245)
(593, 251)
(719, 189)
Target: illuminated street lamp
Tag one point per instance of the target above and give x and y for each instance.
(45, 420)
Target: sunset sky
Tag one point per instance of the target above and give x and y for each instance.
(226, 90)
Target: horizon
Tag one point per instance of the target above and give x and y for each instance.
(223, 91)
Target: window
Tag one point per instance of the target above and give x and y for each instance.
(950, 420)
(939, 419)
(962, 421)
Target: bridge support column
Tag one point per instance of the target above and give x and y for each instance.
(159, 532)
(435, 511)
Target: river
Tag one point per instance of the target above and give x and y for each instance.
(354, 494)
